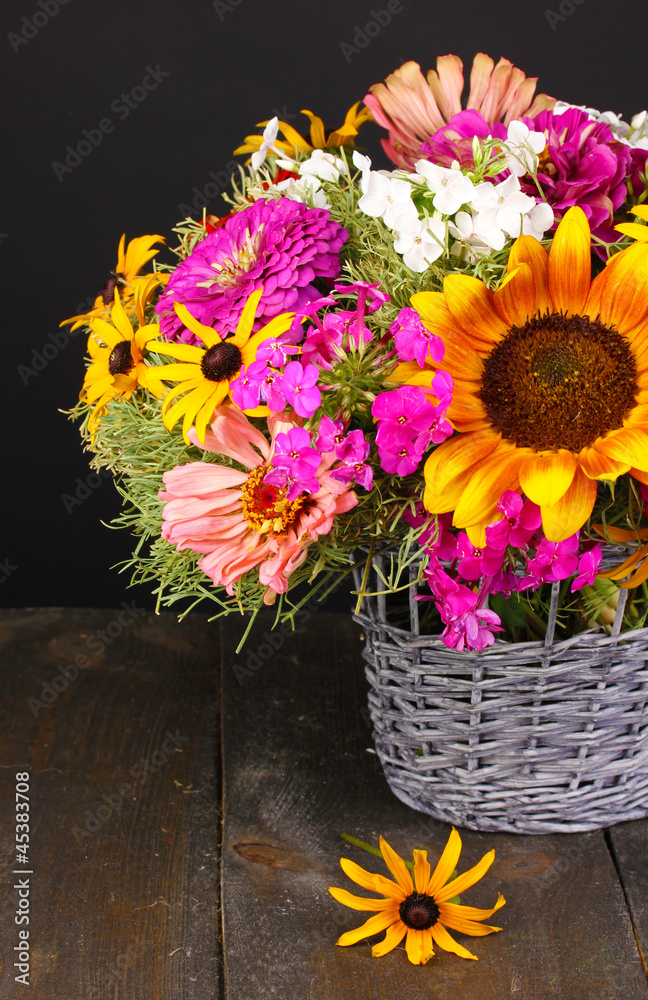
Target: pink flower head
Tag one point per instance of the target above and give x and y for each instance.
(455, 140)
(413, 341)
(246, 388)
(408, 422)
(475, 563)
(467, 626)
(520, 522)
(298, 385)
(235, 519)
(412, 108)
(370, 298)
(588, 566)
(554, 561)
(330, 434)
(280, 246)
(294, 463)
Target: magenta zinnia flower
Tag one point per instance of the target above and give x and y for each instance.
(238, 520)
(281, 246)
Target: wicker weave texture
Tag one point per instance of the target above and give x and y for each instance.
(524, 738)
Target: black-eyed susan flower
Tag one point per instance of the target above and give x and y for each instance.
(635, 229)
(550, 381)
(294, 143)
(124, 280)
(117, 355)
(204, 375)
(418, 908)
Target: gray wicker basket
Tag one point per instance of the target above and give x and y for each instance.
(526, 738)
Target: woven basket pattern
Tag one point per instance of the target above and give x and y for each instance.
(526, 738)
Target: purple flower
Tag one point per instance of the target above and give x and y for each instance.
(369, 295)
(353, 449)
(588, 565)
(408, 422)
(320, 341)
(584, 165)
(280, 246)
(246, 389)
(271, 392)
(475, 563)
(403, 461)
(298, 386)
(413, 341)
(361, 473)
(467, 626)
(330, 434)
(293, 463)
(276, 350)
(454, 140)
(521, 520)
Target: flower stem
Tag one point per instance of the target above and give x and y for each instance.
(367, 847)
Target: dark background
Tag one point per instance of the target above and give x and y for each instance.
(226, 71)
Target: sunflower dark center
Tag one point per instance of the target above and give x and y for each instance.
(559, 382)
(419, 911)
(108, 291)
(121, 360)
(221, 362)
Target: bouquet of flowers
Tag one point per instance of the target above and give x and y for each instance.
(445, 361)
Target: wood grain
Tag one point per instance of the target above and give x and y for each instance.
(629, 844)
(298, 771)
(125, 890)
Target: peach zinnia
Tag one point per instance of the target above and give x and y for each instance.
(550, 382)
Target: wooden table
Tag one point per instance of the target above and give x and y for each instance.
(186, 805)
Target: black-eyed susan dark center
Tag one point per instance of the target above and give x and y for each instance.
(419, 911)
(120, 360)
(559, 382)
(221, 362)
(265, 507)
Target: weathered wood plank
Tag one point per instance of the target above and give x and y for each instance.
(297, 772)
(124, 801)
(629, 844)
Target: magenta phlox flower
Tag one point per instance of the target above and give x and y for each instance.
(277, 350)
(475, 563)
(467, 626)
(504, 582)
(440, 539)
(407, 422)
(321, 340)
(454, 140)
(413, 341)
(279, 245)
(298, 385)
(246, 388)
(294, 463)
(554, 560)
(402, 462)
(521, 520)
(330, 434)
(361, 473)
(354, 448)
(271, 392)
(588, 566)
(370, 297)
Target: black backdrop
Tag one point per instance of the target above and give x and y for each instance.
(217, 69)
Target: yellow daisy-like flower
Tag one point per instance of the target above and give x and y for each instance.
(635, 229)
(420, 908)
(550, 381)
(294, 143)
(205, 374)
(125, 279)
(118, 367)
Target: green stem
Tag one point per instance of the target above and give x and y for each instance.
(367, 847)
(363, 586)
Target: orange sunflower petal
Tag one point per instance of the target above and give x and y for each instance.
(358, 902)
(393, 937)
(629, 444)
(397, 866)
(419, 946)
(463, 882)
(597, 466)
(527, 250)
(570, 262)
(547, 475)
(497, 473)
(469, 912)
(623, 299)
(421, 871)
(451, 464)
(446, 864)
(569, 514)
(515, 299)
(374, 925)
(472, 306)
(368, 880)
(448, 943)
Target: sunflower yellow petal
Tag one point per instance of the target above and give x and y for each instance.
(446, 864)
(106, 332)
(569, 514)
(515, 299)
(374, 925)
(472, 306)
(376, 883)
(120, 319)
(469, 912)
(419, 946)
(208, 336)
(397, 866)
(623, 283)
(570, 262)
(527, 250)
(448, 943)
(392, 939)
(421, 871)
(358, 902)
(629, 444)
(246, 322)
(451, 464)
(481, 494)
(547, 475)
(601, 467)
(463, 882)
(183, 352)
(635, 230)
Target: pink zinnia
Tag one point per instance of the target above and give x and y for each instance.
(412, 108)
(280, 246)
(237, 520)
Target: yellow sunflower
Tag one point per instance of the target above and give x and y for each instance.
(294, 143)
(117, 367)
(635, 229)
(550, 381)
(419, 909)
(125, 279)
(205, 374)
